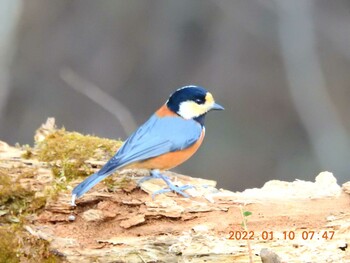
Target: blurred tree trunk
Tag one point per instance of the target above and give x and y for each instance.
(10, 12)
(308, 87)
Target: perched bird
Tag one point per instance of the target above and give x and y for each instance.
(171, 136)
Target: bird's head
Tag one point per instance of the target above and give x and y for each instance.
(191, 102)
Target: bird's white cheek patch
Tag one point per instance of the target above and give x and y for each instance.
(190, 109)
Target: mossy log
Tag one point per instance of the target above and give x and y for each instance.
(118, 221)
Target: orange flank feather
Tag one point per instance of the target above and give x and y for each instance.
(169, 160)
(164, 111)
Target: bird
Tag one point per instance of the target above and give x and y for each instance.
(167, 139)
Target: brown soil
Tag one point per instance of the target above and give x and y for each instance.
(269, 216)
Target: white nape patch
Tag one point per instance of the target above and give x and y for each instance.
(188, 86)
(189, 109)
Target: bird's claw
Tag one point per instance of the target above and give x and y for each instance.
(177, 189)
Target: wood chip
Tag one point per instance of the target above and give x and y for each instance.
(133, 221)
(346, 187)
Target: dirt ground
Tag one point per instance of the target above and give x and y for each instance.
(275, 216)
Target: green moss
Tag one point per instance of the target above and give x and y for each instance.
(117, 182)
(17, 245)
(68, 151)
(28, 151)
(15, 200)
(8, 245)
(11, 189)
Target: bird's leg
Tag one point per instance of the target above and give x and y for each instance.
(172, 187)
(154, 175)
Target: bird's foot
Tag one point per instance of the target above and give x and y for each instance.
(177, 189)
(155, 174)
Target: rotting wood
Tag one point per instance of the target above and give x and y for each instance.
(132, 227)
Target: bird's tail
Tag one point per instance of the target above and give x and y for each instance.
(88, 183)
(95, 178)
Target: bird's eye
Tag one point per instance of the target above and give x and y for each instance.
(199, 101)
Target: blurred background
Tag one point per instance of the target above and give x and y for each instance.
(281, 68)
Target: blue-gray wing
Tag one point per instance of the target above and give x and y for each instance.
(156, 137)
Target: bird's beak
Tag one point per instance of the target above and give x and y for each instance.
(217, 107)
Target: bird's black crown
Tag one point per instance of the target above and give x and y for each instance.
(187, 93)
